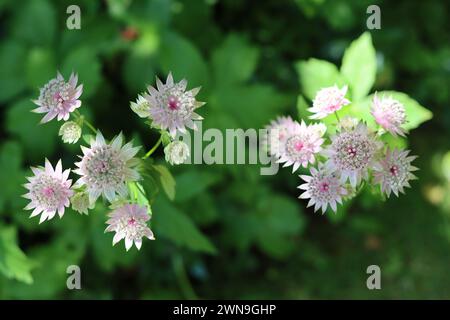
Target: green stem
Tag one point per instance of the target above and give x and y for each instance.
(78, 115)
(337, 116)
(149, 153)
(183, 279)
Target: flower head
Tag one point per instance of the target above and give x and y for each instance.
(59, 98)
(394, 172)
(141, 107)
(277, 132)
(171, 107)
(48, 191)
(301, 144)
(327, 101)
(352, 153)
(80, 202)
(176, 152)
(322, 188)
(70, 132)
(389, 114)
(106, 168)
(129, 222)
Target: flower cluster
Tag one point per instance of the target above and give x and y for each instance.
(109, 169)
(352, 157)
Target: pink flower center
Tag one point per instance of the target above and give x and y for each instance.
(394, 170)
(102, 166)
(131, 222)
(298, 146)
(351, 151)
(324, 187)
(48, 191)
(172, 103)
(57, 96)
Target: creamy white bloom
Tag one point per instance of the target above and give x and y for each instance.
(129, 222)
(141, 107)
(171, 107)
(106, 168)
(322, 188)
(277, 133)
(389, 114)
(48, 191)
(70, 132)
(327, 101)
(176, 152)
(80, 202)
(394, 172)
(352, 153)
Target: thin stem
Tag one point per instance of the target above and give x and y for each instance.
(337, 116)
(182, 277)
(80, 116)
(149, 153)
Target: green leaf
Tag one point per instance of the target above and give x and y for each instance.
(85, 63)
(14, 264)
(181, 57)
(193, 182)
(167, 181)
(176, 226)
(11, 175)
(234, 61)
(40, 67)
(12, 80)
(38, 139)
(359, 66)
(316, 74)
(416, 114)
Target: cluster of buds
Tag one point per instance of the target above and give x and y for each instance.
(109, 169)
(353, 156)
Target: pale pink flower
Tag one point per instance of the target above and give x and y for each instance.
(394, 172)
(389, 114)
(277, 133)
(171, 107)
(48, 191)
(301, 145)
(129, 222)
(59, 98)
(322, 188)
(106, 168)
(327, 101)
(352, 153)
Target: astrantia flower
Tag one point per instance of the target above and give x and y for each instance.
(59, 98)
(327, 101)
(49, 191)
(70, 132)
(352, 153)
(106, 168)
(80, 202)
(171, 107)
(302, 143)
(129, 222)
(389, 114)
(141, 107)
(277, 132)
(394, 171)
(176, 152)
(347, 123)
(322, 188)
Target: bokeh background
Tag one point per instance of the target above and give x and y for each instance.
(230, 233)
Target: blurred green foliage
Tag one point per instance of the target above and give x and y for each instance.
(230, 233)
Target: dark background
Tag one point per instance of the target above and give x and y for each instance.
(230, 233)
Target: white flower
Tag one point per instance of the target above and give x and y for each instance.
(301, 145)
(394, 172)
(389, 114)
(352, 153)
(129, 222)
(322, 188)
(141, 107)
(277, 132)
(70, 132)
(171, 107)
(80, 202)
(327, 101)
(106, 168)
(49, 191)
(176, 152)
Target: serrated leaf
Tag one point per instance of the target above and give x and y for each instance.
(315, 74)
(359, 66)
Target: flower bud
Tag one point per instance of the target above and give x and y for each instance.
(80, 202)
(176, 152)
(70, 132)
